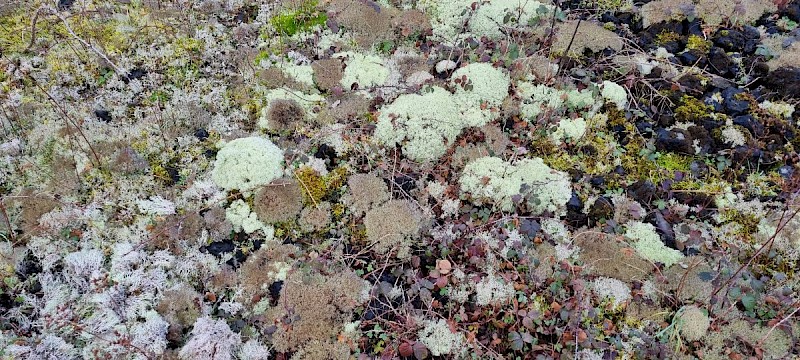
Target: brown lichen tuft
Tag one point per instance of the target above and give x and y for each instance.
(280, 201)
(393, 226)
(285, 115)
(589, 36)
(313, 307)
(322, 350)
(368, 21)
(365, 191)
(173, 229)
(180, 307)
(32, 207)
(604, 256)
(327, 73)
(264, 267)
(316, 218)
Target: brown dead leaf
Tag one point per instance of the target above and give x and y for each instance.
(443, 266)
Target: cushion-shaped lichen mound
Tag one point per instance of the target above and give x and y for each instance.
(492, 19)
(492, 180)
(426, 124)
(648, 244)
(302, 108)
(247, 163)
(362, 69)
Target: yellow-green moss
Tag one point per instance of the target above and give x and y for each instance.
(695, 42)
(667, 36)
(691, 109)
(305, 17)
(312, 184)
(674, 162)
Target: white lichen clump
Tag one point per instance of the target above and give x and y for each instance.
(614, 289)
(490, 179)
(210, 339)
(362, 69)
(242, 219)
(648, 244)
(247, 163)
(692, 322)
(425, 125)
(732, 135)
(438, 338)
(615, 93)
(493, 290)
(569, 130)
(492, 18)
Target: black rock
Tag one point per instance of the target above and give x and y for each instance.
(736, 107)
(602, 208)
(752, 37)
(644, 128)
(693, 83)
(575, 203)
(785, 81)
(65, 4)
(676, 140)
(201, 134)
(104, 115)
(218, 248)
(326, 152)
(694, 27)
(730, 40)
(174, 174)
(663, 227)
(643, 191)
(750, 156)
(575, 215)
(720, 61)
(701, 137)
(405, 183)
(750, 123)
(691, 57)
(597, 181)
(275, 289)
(134, 74)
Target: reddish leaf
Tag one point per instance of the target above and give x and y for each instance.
(420, 351)
(406, 350)
(443, 266)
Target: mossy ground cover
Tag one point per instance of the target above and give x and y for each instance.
(419, 179)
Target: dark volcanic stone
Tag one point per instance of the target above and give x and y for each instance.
(750, 123)
(693, 83)
(275, 289)
(134, 74)
(730, 40)
(785, 81)
(65, 4)
(732, 103)
(326, 152)
(702, 136)
(663, 227)
(201, 134)
(575, 215)
(102, 114)
(220, 247)
(602, 208)
(676, 140)
(752, 37)
(720, 61)
(642, 191)
(691, 57)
